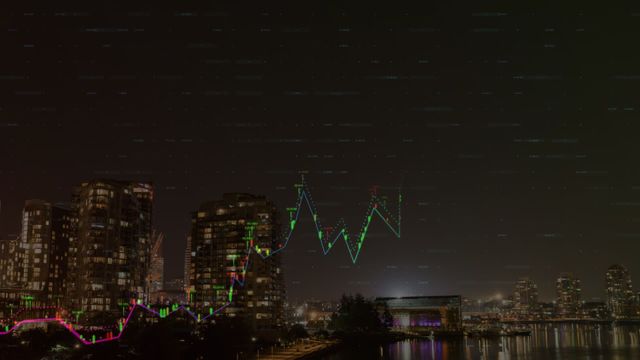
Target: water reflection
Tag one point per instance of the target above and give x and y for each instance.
(547, 341)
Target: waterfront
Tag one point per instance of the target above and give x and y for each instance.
(547, 341)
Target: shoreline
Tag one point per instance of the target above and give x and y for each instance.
(310, 349)
(573, 321)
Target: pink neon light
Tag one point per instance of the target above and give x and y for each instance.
(110, 336)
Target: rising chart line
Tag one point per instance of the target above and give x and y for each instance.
(327, 237)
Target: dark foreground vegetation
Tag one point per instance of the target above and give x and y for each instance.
(166, 339)
(358, 320)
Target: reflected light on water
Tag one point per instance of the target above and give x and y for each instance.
(547, 341)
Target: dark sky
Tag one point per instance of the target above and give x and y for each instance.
(513, 131)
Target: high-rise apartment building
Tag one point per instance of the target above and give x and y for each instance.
(155, 276)
(187, 265)
(110, 256)
(223, 233)
(42, 250)
(620, 296)
(567, 296)
(525, 297)
(9, 262)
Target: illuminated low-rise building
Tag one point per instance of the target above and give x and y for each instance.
(424, 312)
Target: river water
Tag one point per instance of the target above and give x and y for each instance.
(547, 341)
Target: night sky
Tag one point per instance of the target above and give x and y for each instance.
(514, 132)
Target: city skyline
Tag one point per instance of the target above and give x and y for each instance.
(511, 129)
(60, 254)
(504, 293)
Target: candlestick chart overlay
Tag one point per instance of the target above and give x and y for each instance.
(328, 236)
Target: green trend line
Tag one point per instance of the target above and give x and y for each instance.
(354, 244)
(327, 237)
